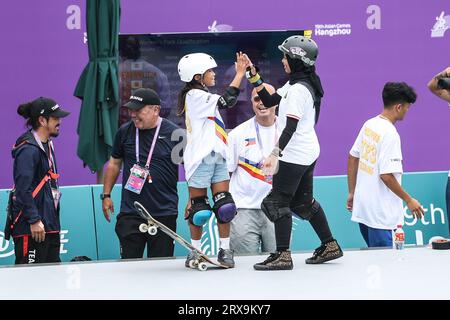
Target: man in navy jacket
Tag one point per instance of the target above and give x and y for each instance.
(35, 223)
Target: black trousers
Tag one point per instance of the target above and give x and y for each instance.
(293, 185)
(133, 242)
(29, 251)
(292, 182)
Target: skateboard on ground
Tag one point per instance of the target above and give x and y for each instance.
(201, 260)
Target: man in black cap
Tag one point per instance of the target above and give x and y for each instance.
(33, 215)
(144, 147)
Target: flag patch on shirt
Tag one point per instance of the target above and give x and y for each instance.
(250, 142)
(253, 169)
(221, 133)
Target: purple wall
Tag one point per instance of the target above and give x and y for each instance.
(41, 56)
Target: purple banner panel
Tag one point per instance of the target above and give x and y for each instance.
(363, 44)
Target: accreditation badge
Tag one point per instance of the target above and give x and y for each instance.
(56, 197)
(137, 178)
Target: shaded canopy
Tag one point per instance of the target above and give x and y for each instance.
(98, 86)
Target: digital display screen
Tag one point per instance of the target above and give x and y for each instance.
(151, 60)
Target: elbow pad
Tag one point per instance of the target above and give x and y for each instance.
(229, 98)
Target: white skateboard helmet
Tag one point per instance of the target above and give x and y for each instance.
(194, 63)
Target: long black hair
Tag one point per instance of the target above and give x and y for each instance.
(194, 84)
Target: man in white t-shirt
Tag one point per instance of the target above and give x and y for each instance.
(375, 171)
(248, 145)
(440, 86)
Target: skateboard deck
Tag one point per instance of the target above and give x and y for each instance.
(152, 226)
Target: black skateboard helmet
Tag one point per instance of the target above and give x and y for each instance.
(300, 47)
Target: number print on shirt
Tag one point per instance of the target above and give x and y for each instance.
(369, 151)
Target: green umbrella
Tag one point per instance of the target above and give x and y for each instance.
(98, 85)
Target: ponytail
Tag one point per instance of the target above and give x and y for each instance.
(194, 84)
(24, 110)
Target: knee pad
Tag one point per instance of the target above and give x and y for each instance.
(307, 210)
(200, 211)
(224, 207)
(273, 208)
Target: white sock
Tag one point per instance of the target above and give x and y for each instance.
(225, 243)
(197, 244)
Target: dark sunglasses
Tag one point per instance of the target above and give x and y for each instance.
(256, 99)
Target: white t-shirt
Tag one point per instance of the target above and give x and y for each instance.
(297, 102)
(378, 148)
(205, 129)
(248, 185)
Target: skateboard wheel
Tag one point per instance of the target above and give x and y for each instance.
(202, 266)
(152, 230)
(192, 264)
(143, 228)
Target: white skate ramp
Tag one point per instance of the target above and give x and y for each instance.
(413, 273)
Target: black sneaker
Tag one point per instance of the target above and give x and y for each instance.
(326, 252)
(225, 257)
(280, 260)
